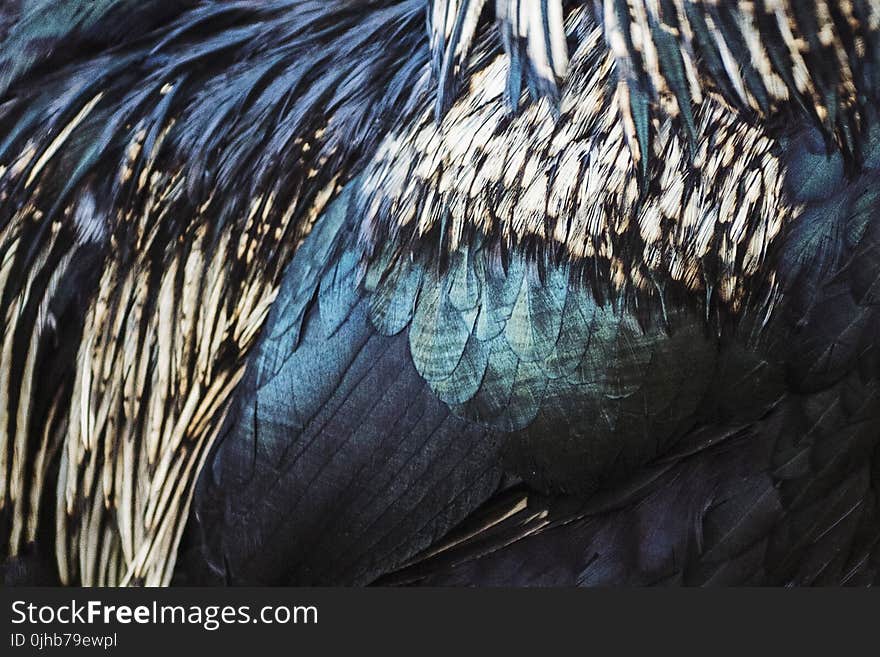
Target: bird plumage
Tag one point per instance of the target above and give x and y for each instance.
(111, 196)
(550, 292)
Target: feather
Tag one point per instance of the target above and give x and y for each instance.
(338, 283)
(117, 160)
(533, 36)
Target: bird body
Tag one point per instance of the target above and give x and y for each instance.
(299, 292)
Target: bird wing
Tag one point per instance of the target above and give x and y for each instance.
(153, 190)
(336, 457)
(788, 500)
(648, 395)
(785, 498)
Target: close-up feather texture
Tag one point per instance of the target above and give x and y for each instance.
(440, 292)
